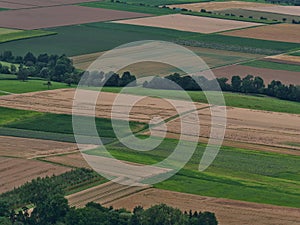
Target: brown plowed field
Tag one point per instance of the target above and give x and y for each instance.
(15, 172)
(277, 32)
(30, 148)
(286, 77)
(189, 23)
(228, 212)
(72, 160)
(36, 18)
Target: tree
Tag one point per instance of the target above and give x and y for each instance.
(236, 83)
(13, 69)
(29, 59)
(4, 208)
(23, 73)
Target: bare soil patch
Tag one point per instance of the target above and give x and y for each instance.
(214, 6)
(8, 5)
(277, 32)
(189, 23)
(61, 102)
(30, 148)
(248, 126)
(36, 18)
(228, 212)
(15, 172)
(286, 77)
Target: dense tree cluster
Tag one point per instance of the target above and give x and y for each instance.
(100, 79)
(46, 195)
(49, 67)
(248, 84)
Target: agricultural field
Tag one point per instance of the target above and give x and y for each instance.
(9, 84)
(277, 32)
(13, 35)
(15, 172)
(284, 73)
(30, 19)
(215, 6)
(235, 173)
(274, 65)
(189, 23)
(128, 7)
(227, 211)
(293, 59)
(212, 57)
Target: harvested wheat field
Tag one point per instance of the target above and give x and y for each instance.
(282, 58)
(61, 101)
(286, 77)
(103, 194)
(189, 23)
(244, 125)
(15, 172)
(31, 148)
(277, 32)
(8, 5)
(228, 212)
(288, 10)
(45, 17)
(215, 6)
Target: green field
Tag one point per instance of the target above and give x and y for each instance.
(231, 99)
(273, 65)
(295, 54)
(97, 37)
(236, 173)
(17, 86)
(23, 34)
(129, 7)
(21, 123)
(8, 31)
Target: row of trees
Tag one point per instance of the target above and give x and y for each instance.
(49, 67)
(51, 208)
(248, 84)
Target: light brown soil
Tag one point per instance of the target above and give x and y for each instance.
(60, 101)
(54, 16)
(38, 3)
(282, 58)
(286, 77)
(228, 212)
(249, 126)
(213, 6)
(15, 172)
(189, 23)
(277, 32)
(103, 194)
(288, 10)
(31, 148)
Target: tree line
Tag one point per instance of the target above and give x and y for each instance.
(50, 207)
(49, 67)
(249, 85)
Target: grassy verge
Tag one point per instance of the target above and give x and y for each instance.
(25, 34)
(236, 173)
(273, 65)
(231, 99)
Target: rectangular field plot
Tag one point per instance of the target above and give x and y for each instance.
(36, 18)
(288, 10)
(189, 23)
(15, 172)
(278, 32)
